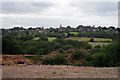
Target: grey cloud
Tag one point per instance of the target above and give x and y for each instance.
(98, 8)
(103, 14)
(43, 4)
(24, 7)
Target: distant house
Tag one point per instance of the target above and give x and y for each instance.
(62, 28)
(70, 30)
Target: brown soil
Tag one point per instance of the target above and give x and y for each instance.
(15, 60)
(47, 71)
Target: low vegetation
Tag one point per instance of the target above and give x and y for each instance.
(55, 60)
(76, 54)
(103, 47)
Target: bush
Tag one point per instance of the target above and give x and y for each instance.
(66, 47)
(92, 40)
(66, 55)
(31, 50)
(96, 49)
(76, 54)
(112, 52)
(36, 58)
(71, 64)
(97, 46)
(57, 59)
(59, 36)
(87, 63)
(88, 60)
(61, 50)
(44, 38)
(88, 57)
(48, 60)
(57, 46)
(100, 60)
(77, 64)
(88, 47)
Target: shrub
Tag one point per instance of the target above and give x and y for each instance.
(87, 46)
(87, 63)
(113, 53)
(88, 57)
(36, 58)
(61, 50)
(54, 73)
(96, 50)
(59, 36)
(77, 64)
(72, 64)
(92, 40)
(100, 60)
(76, 54)
(57, 46)
(48, 60)
(66, 47)
(44, 38)
(57, 59)
(88, 60)
(66, 55)
(97, 46)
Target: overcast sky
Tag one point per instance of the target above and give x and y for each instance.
(52, 14)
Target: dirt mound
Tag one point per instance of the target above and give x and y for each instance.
(53, 53)
(15, 60)
(68, 55)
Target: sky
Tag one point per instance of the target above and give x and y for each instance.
(52, 13)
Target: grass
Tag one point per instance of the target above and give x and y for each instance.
(98, 43)
(74, 33)
(54, 73)
(102, 39)
(98, 40)
(65, 34)
(88, 39)
(51, 38)
(79, 39)
(35, 38)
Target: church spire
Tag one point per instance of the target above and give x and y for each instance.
(60, 26)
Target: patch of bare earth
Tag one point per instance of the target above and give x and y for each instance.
(47, 71)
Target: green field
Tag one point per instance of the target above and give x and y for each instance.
(65, 34)
(51, 38)
(88, 39)
(98, 43)
(35, 38)
(79, 39)
(74, 33)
